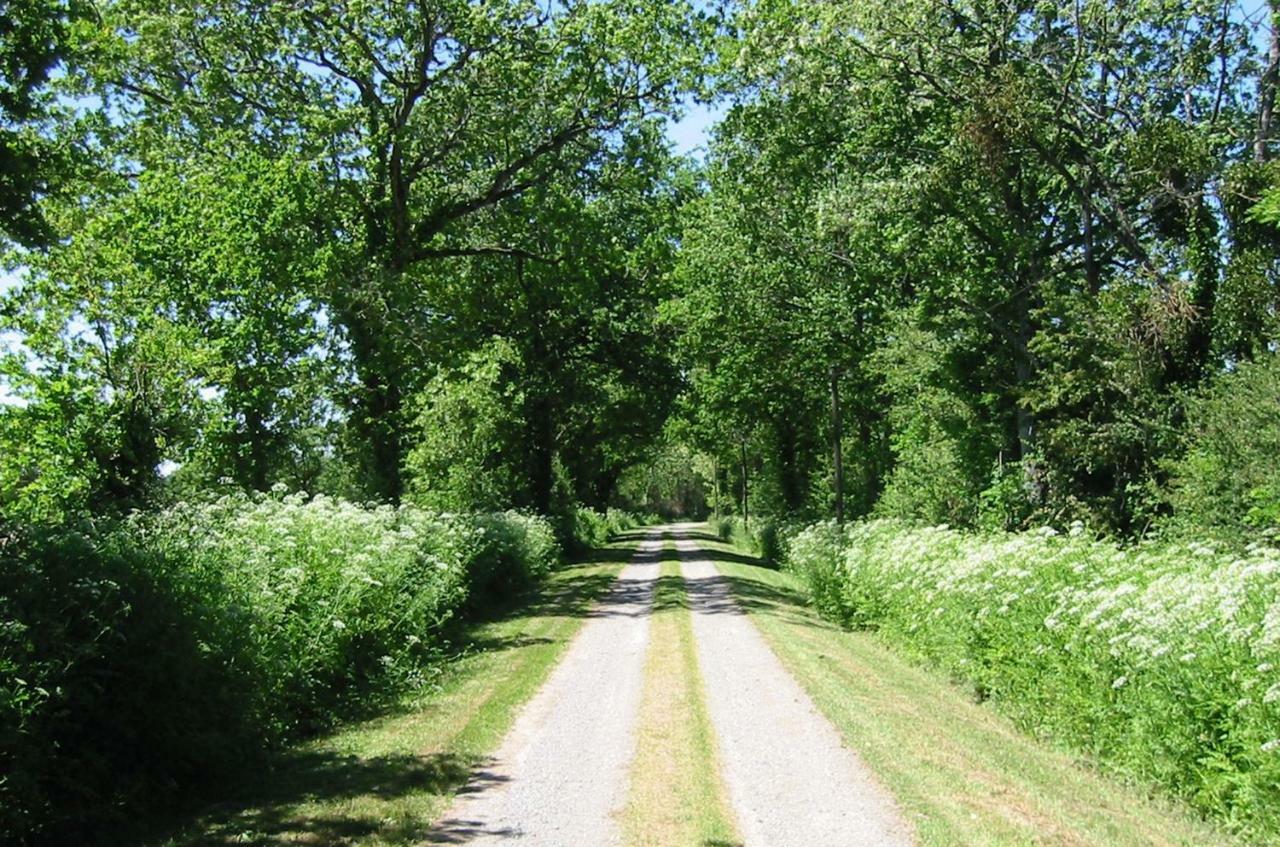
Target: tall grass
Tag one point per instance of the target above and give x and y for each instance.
(147, 656)
(1162, 661)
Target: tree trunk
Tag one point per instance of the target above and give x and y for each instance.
(383, 405)
(1267, 89)
(377, 406)
(1023, 371)
(715, 487)
(1091, 272)
(789, 464)
(746, 489)
(542, 455)
(837, 453)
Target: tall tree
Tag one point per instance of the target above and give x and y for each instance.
(421, 116)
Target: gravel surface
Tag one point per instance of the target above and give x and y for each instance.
(791, 779)
(560, 776)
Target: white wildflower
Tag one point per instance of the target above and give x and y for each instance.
(1272, 695)
(337, 624)
(1271, 746)
(1120, 682)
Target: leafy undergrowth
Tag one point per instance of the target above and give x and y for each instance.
(142, 660)
(384, 781)
(1160, 661)
(963, 773)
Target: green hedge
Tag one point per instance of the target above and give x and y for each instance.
(1163, 661)
(143, 658)
(589, 528)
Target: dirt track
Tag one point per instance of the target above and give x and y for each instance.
(560, 777)
(561, 773)
(791, 779)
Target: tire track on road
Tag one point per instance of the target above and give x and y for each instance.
(560, 776)
(791, 779)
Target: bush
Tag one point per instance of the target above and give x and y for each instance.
(588, 528)
(1229, 481)
(1162, 661)
(767, 538)
(142, 658)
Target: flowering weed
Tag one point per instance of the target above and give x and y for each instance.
(1160, 660)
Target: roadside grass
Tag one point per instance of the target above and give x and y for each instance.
(676, 796)
(384, 781)
(961, 772)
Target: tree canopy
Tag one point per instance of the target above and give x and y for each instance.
(964, 262)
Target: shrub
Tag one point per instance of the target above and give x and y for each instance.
(117, 677)
(1162, 661)
(588, 528)
(1228, 480)
(139, 659)
(767, 538)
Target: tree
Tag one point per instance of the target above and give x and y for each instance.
(35, 37)
(421, 117)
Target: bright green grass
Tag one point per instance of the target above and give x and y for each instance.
(676, 796)
(962, 774)
(383, 782)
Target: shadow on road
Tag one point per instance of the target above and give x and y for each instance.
(727, 594)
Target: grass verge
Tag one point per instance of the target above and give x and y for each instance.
(962, 773)
(676, 796)
(384, 781)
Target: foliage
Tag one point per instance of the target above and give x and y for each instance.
(592, 529)
(672, 482)
(36, 37)
(997, 249)
(768, 538)
(147, 656)
(467, 456)
(1160, 660)
(1228, 481)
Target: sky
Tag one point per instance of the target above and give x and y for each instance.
(691, 133)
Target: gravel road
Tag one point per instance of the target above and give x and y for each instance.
(561, 773)
(560, 777)
(791, 779)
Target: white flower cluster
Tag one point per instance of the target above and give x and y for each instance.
(1185, 635)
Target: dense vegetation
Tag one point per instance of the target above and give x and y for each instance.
(994, 252)
(295, 283)
(1159, 661)
(172, 648)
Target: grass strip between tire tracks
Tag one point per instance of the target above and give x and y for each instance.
(676, 796)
